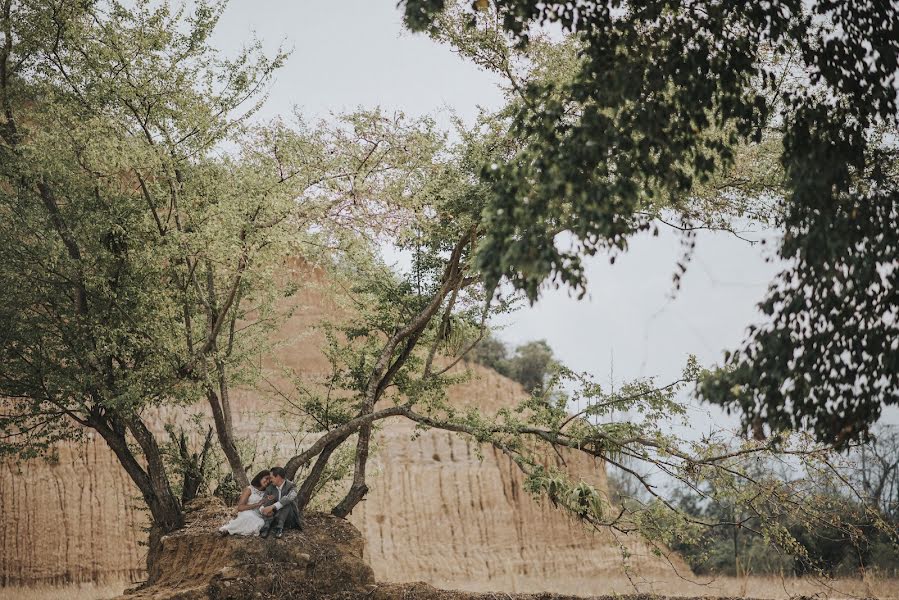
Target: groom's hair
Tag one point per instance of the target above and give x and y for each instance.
(278, 472)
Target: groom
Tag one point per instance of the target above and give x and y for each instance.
(281, 511)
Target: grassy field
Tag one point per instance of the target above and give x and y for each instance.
(754, 586)
(765, 586)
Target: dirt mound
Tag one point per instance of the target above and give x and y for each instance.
(325, 559)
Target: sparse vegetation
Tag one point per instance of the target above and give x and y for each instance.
(852, 544)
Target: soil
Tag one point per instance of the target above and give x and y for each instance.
(324, 561)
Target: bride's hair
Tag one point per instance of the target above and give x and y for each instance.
(257, 481)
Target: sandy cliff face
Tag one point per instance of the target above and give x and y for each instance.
(73, 520)
(441, 515)
(435, 513)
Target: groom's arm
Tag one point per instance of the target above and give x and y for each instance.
(286, 499)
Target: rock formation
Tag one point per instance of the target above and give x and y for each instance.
(436, 512)
(73, 519)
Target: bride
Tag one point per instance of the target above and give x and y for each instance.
(248, 520)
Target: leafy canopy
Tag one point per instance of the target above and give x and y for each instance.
(665, 96)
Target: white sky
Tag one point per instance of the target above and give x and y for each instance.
(351, 53)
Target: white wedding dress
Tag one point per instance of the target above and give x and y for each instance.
(247, 522)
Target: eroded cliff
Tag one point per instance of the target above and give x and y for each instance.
(436, 511)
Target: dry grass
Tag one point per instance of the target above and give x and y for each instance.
(758, 586)
(71, 592)
(754, 586)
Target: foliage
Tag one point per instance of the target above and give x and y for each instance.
(492, 353)
(144, 221)
(781, 511)
(851, 543)
(530, 365)
(662, 99)
(398, 348)
(399, 327)
(148, 223)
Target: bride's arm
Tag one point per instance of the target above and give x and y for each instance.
(242, 501)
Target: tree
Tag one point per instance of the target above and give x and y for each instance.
(876, 471)
(145, 225)
(492, 353)
(533, 365)
(666, 95)
(401, 343)
(142, 224)
(436, 304)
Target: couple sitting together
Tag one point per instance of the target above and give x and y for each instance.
(267, 505)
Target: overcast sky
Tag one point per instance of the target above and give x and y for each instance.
(351, 53)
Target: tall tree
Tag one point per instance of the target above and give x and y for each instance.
(400, 347)
(662, 97)
(876, 471)
(134, 245)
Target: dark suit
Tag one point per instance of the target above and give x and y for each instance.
(286, 515)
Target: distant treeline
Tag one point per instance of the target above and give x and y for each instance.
(743, 549)
(737, 542)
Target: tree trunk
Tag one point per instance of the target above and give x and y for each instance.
(165, 511)
(170, 514)
(225, 434)
(359, 488)
(307, 489)
(154, 550)
(736, 543)
(193, 464)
